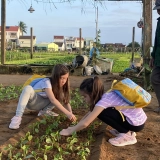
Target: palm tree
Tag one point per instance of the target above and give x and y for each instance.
(23, 27)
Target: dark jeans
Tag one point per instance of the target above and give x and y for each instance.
(155, 80)
(113, 118)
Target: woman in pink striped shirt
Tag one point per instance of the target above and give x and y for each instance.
(102, 106)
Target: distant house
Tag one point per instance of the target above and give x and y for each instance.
(70, 43)
(61, 46)
(115, 47)
(119, 45)
(25, 41)
(77, 42)
(73, 43)
(88, 43)
(58, 39)
(107, 45)
(46, 47)
(12, 34)
(103, 45)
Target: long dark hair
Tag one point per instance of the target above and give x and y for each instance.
(63, 94)
(94, 88)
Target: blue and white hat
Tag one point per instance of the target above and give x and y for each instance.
(157, 5)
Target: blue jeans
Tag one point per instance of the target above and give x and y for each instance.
(33, 101)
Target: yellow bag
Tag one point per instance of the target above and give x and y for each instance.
(33, 80)
(132, 93)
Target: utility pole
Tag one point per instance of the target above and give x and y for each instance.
(3, 31)
(133, 44)
(80, 42)
(31, 43)
(96, 25)
(147, 38)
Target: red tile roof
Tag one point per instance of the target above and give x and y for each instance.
(58, 37)
(11, 28)
(79, 38)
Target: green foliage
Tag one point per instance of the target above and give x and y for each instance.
(121, 60)
(38, 58)
(9, 92)
(97, 39)
(43, 141)
(76, 100)
(23, 27)
(51, 145)
(136, 44)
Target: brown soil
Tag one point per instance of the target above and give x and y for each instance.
(148, 144)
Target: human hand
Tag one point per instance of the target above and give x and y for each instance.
(72, 117)
(151, 63)
(66, 132)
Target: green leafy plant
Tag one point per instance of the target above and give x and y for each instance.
(44, 145)
(9, 148)
(25, 150)
(83, 153)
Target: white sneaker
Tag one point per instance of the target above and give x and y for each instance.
(47, 112)
(123, 140)
(15, 122)
(116, 133)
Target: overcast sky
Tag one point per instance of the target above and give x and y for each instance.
(115, 19)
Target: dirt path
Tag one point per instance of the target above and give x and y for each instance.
(74, 80)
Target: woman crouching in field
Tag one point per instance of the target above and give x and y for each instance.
(102, 106)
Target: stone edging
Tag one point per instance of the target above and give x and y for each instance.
(25, 69)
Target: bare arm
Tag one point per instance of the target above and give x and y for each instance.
(85, 116)
(68, 107)
(59, 105)
(84, 122)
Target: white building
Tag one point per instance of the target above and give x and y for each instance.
(12, 33)
(60, 41)
(25, 41)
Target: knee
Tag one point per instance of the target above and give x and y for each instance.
(28, 107)
(28, 89)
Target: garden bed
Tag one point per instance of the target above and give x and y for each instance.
(41, 140)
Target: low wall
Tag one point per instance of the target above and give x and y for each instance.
(25, 69)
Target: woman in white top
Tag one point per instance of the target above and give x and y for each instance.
(55, 94)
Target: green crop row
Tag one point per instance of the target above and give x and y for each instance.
(121, 60)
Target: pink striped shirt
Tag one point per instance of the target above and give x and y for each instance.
(135, 116)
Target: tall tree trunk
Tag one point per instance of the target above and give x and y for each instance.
(147, 39)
